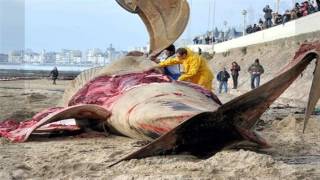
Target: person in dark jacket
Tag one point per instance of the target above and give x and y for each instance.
(54, 73)
(255, 71)
(268, 15)
(223, 77)
(311, 9)
(235, 68)
(286, 17)
(297, 10)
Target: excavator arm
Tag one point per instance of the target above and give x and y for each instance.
(165, 20)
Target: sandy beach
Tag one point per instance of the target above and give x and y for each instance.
(293, 155)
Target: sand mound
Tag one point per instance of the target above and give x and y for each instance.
(244, 164)
(287, 138)
(223, 165)
(34, 97)
(273, 56)
(291, 124)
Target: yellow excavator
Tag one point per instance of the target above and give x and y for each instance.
(165, 20)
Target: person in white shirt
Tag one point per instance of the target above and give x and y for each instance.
(174, 70)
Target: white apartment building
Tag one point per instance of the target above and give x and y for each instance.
(16, 56)
(96, 57)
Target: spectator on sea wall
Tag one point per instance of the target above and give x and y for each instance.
(286, 17)
(196, 40)
(297, 10)
(278, 19)
(207, 39)
(271, 19)
(268, 15)
(311, 8)
(315, 5)
(318, 4)
(256, 28)
(293, 14)
(304, 8)
(249, 29)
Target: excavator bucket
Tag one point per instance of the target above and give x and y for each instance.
(165, 20)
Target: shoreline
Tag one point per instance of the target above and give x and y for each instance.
(10, 74)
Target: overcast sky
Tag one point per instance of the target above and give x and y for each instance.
(84, 24)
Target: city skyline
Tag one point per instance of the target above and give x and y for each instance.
(95, 56)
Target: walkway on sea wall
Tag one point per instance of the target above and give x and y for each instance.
(308, 24)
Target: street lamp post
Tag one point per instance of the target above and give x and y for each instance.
(244, 13)
(293, 3)
(277, 6)
(225, 23)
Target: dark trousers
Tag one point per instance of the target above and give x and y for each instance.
(54, 80)
(235, 80)
(269, 22)
(255, 81)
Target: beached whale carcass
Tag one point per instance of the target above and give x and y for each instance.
(135, 101)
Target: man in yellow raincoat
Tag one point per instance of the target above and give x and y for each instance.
(196, 69)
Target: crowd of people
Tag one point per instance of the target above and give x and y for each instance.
(270, 19)
(205, 39)
(255, 70)
(274, 18)
(194, 68)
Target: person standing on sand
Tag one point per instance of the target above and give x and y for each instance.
(54, 73)
(235, 68)
(223, 77)
(256, 69)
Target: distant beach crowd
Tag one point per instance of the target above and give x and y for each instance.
(272, 18)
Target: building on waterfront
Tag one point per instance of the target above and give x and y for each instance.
(50, 58)
(4, 58)
(111, 54)
(96, 57)
(76, 56)
(69, 57)
(30, 57)
(16, 57)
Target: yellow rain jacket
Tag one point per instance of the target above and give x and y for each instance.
(196, 69)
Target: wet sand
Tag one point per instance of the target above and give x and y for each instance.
(293, 155)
